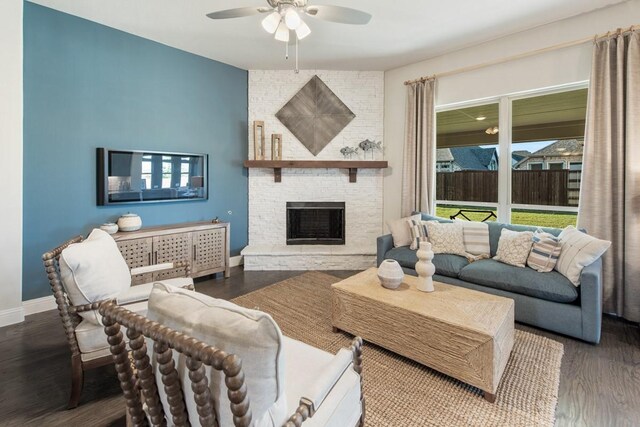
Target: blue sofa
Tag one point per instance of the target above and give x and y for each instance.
(546, 300)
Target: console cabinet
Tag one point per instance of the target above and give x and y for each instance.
(205, 245)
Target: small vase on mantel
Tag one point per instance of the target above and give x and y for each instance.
(425, 268)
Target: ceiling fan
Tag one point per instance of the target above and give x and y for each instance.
(286, 16)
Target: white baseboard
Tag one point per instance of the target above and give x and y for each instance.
(39, 305)
(11, 316)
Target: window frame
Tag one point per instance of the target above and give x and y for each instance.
(535, 163)
(505, 108)
(556, 162)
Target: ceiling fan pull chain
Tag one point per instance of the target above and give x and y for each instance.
(297, 70)
(286, 51)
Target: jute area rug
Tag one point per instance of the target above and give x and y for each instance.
(400, 392)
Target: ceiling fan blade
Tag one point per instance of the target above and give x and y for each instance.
(339, 14)
(238, 13)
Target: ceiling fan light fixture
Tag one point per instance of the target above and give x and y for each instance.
(282, 33)
(303, 30)
(492, 130)
(292, 19)
(271, 22)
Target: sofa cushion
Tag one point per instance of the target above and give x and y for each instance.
(93, 270)
(495, 229)
(399, 229)
(578, 250)
(551, 286)
(91, 337)
(250, 334)
(514, 247)
(427, 217)
(446, 264)
(446, 238)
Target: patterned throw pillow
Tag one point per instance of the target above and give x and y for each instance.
(400, 230)
(514, 247)
(476, 237)
(544, 252)
(419, 233)
(578, 250)
(446, 238)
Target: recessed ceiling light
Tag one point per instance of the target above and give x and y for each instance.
(480, 118)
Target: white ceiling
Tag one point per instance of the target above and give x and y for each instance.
(401, 31)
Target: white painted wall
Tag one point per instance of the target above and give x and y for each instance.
(11, 161)
(363, 93)
(540, 71)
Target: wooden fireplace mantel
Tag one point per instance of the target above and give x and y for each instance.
(351, 165)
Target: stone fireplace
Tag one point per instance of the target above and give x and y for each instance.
(271, 245)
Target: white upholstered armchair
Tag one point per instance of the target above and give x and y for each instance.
(82, 275)
(197, 360)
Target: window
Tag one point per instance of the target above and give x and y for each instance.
(555, 165)
(468, 147)
(542, 136)
(537, 166)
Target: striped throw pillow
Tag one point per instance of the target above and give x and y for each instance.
(578, 250)
(544, 252)
(419, 233)
(475, 236)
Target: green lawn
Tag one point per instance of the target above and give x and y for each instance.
(542, 219)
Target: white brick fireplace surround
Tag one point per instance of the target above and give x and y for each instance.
(363, 93)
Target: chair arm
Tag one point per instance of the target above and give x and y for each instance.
(161, 267)
(86, 307)
(384, 244)
(591, 301)
(325, 382)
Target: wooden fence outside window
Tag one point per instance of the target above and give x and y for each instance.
(529, 187)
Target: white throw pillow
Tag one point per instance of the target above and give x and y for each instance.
(251, 334)
(94, 270)
(476, 237)
(544, 252)
(578, 250)
(514, 247)
(399, 229)
(418, 230)
(446, 238)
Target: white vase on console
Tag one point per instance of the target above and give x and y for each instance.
(425, 268)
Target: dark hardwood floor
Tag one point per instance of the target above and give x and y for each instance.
(599, 386)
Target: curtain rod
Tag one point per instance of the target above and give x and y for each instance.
(525, 54)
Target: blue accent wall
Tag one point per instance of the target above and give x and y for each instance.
(87, 86)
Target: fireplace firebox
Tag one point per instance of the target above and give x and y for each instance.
(315, 223)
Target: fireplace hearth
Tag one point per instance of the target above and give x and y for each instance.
(315, 223)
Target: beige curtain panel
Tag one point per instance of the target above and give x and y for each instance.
(610, 191)
(418, 171)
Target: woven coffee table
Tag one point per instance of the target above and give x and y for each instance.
(465, 334)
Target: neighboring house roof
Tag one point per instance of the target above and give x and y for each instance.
(564, 147)
(519, 155)
(443, 155)
(473, 158)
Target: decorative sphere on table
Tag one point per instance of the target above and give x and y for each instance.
(129, 222)
(109, 227)
(390, 274)
(425, 268)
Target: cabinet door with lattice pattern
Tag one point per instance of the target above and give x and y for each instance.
(171, 248)
(137, 253)
(209, 250)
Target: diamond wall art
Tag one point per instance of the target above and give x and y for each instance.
(315, 115)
